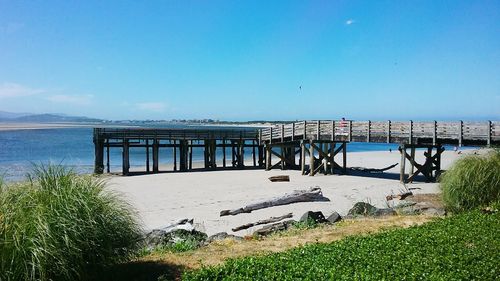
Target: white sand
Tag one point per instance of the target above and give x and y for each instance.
(162, 198)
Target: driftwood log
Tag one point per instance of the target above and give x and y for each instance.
(279, 178)
(266, 221)
(373, 170)
(309, 195)
(275, 227)
(401, 196)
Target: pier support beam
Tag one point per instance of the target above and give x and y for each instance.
(99, 154)
(325, 162)
(125, 158)
(183, 155)
(155, 156)
(430, 169)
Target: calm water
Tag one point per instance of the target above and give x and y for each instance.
(19, 149)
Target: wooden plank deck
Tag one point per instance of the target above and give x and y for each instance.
(460, 133)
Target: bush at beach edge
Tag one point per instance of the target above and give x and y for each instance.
(61, 226)
(472, 182)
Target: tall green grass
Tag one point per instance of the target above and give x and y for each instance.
(471, 182)
(61, 226)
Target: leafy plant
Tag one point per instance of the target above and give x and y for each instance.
(61, 226)
(471, 182)
(461, 247)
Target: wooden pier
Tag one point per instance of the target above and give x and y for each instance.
(313, 147)
(182, 142)
(324, 140)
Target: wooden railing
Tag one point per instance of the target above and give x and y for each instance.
(460, 132)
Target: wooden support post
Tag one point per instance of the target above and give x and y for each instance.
(183, 155)
(490, 129)
(369, 131)
(389, 131)
(224, 151)
(271, 135)
(261, 155)
(434, 133)
(253, 154)
(241, 154)
(282, 151)
(268, 156)
(107, 156)
(233, 153)
(147, 156)
(155, 156)
(190, 155)
(282, 132)
(305, 130)
(303, 157)
(410, 138)
(332, 125)
(460, 133)
(344, 157)
(311, 158)
(175, 155)
(125, 158)
(213, 154)
(318, 130)
(293, 131)
(402, 176)
(99, 153)
(438, 160)
(350, 130)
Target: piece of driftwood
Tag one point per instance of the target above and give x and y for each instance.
(309, 195)
(279, 178)
(401, 196)
(372, 170)
(279, 226)
(266, 221)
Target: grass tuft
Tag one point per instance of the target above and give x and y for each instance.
(472, 181)
(61, 226)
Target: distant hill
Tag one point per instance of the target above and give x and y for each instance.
(43, 118)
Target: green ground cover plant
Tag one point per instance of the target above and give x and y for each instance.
(61, 226)
(461, 247)
(471, 182)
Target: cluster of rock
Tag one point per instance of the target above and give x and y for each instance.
(183, 230)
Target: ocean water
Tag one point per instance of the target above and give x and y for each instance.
(20, 149)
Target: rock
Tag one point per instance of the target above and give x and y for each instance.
(317, 217)
(334, 217)
(366, 209)
(269, 229)
(424, 208)
(362, 209)
(159, 237)
(384, 212)
(221, 236)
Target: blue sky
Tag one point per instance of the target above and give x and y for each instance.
(247, 60)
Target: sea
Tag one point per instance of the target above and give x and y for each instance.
(20, 150)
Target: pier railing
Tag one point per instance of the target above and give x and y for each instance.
(457, 132)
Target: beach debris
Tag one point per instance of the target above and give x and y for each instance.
(186, 224)
(279, 178)
(316, 217)
(280, 226)
(401, 196)
(266, 221)
(222, 236)
(334, 217)
(310, 195)
(366, 209)
(372, 170)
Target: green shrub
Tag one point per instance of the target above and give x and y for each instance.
(61, 226)
(461, 247)
(471, 182)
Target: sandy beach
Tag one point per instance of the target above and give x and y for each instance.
(163, 198)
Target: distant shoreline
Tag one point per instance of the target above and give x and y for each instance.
(13, 126)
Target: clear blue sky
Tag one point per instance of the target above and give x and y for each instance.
(246, 60)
